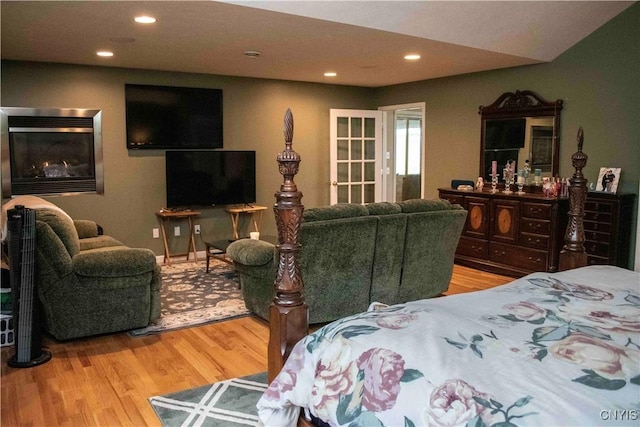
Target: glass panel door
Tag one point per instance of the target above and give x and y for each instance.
(356, 150)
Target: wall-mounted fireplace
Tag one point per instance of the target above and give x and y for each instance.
(51, 151)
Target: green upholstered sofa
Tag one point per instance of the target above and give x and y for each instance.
(353, 255)
(89, 283)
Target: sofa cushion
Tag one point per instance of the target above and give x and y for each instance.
(251, 252)
(340, 210)
(119, 261)
(62, 226)
(98, 242)
(429, 250)
(336, 261)
(424, 205)
(383, 208)
(86, 228)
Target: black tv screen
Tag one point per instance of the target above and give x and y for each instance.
(164, 117)
(504, 133)
(210, 178)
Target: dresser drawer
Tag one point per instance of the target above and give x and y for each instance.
(536, 226)
(597, 260)
(536, 210)
(595, 236)
(473, 248)
(603, 227)
(535, 241)
(597, 216)
(529, 259)
(596, 248)
(596, 206)
(454, 199)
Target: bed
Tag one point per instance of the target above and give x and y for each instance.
(548, 349)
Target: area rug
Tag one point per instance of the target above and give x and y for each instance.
(192, 297)
(224, 404)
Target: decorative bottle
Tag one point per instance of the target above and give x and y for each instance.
(527, 172)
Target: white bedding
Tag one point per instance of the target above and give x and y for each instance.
(548, 349)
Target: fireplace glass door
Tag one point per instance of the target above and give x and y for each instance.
(51, 154)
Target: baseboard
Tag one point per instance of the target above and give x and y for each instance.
(201, 256)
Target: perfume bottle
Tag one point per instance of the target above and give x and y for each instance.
(537, 179)
(526, 172)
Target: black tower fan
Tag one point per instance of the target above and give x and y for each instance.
(21, 226)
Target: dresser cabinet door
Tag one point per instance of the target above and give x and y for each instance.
(505, 214)
(477, 217)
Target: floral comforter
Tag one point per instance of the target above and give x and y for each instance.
(558, 349)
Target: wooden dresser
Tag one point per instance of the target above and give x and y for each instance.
(607, 228)
(510, 234)
(515, 234)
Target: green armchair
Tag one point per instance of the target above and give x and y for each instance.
(89, 283)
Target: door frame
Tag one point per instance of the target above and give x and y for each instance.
(388, 144)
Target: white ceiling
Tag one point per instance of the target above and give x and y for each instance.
(363, 41)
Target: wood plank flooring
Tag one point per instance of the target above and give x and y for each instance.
(106, 380)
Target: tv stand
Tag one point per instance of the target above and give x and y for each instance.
(164, 216)
(235, 212)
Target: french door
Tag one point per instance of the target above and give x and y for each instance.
(356, 156)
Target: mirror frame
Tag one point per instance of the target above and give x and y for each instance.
(522, 104)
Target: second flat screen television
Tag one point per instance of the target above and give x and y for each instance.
(165, 117)
(196, 178)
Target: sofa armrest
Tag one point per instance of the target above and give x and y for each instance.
(251, 252)
(86, 228)
(114, 262)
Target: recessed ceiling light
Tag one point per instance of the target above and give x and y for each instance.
(330, 74)
(104, 53)
(144, 19)
(412, 57)
(252, 53)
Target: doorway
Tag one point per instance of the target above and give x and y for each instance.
(403, 148)
(377, 155)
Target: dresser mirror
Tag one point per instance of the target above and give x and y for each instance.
(521, 127)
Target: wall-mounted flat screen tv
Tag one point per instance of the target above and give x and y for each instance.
(504, 133)
(198, 178)
(165, 117)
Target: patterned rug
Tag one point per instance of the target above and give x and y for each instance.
(190, 296)
(224, 404)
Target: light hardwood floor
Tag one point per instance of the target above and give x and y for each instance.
(106, 381)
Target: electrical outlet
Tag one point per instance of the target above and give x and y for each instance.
(156, 233)
(196, 229)
(176, 231)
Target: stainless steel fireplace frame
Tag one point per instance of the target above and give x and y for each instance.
(96, 115)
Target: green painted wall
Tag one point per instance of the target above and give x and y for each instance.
(135, 179)
(598, 79)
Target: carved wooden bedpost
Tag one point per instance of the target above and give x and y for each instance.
(573, 253)
(288, 313)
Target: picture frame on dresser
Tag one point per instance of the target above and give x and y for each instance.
(608, 179)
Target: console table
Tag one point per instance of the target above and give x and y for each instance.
(164, 218)
(255, 212)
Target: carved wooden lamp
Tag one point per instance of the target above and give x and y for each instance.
(288, 313)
